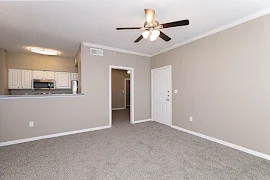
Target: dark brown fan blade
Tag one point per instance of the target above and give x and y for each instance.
(129, 28)
(176, 23)
(139, 38)
(164, 37)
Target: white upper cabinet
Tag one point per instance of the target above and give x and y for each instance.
(48, 75)
(22, 79)
(43, 74)
(26, 79)
(14, 78)
(37, 74)
(74, 76)
(19, 79)
(62, 80)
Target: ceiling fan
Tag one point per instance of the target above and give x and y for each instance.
(152, 27)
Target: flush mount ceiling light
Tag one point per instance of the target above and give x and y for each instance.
(43, 51)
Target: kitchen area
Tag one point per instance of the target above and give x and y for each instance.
(37, 82)
(31, 75)
(39, 95)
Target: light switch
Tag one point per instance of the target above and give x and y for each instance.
(175, 91)
(31, 124)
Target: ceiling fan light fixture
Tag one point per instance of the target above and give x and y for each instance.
(145, 34)
(153, 37)
(156, 33)
(152, 27)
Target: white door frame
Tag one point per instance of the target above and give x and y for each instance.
(152, 99)
(131, 91)
(126, 79)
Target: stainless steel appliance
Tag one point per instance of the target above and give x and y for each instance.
(74, 87)
(43, 84)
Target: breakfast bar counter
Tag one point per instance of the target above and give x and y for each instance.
(38, 96)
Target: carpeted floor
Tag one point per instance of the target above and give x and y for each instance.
(127, 152)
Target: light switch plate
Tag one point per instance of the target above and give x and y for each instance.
(175, 91)
(31, 124)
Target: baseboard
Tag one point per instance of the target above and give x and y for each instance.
(240, 148)
(51, 136)
(141, 121)
(114, 109)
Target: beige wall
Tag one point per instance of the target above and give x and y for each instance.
(224, 83)
(3, 73)
(78, 57)
(50, 116)
(118, 88)
(40, 62)
(6, 92)
(95, 81)
(76, 113)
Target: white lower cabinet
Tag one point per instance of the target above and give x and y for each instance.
(14, 78)
(62, 80)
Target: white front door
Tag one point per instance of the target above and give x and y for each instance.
(162, 95)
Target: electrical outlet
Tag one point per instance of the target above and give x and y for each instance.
(190, 118)
(176, 91)
(202, 122)
(31, 123)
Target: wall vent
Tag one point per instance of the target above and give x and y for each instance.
(96, 52)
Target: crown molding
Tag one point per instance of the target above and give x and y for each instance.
(209, 33)
(222, 28)
(114, 49)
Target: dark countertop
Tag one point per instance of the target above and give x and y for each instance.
(38, 96)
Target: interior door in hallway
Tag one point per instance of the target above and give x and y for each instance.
(127, 92)
(162, 95)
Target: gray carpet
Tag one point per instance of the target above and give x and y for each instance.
(141, 151)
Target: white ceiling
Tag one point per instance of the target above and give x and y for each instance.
(63, 25)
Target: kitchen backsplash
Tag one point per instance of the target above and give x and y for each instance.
(32, 92)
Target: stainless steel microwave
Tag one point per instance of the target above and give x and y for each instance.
(43, 84)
